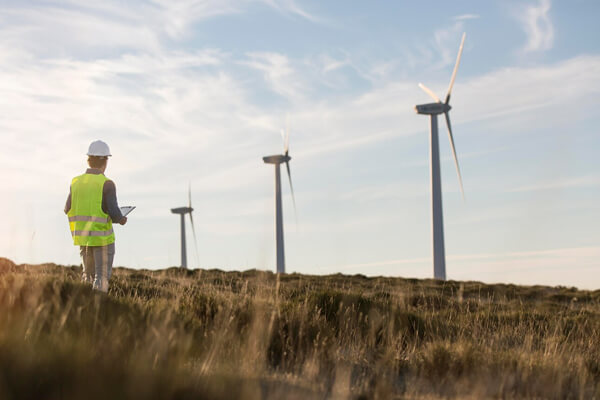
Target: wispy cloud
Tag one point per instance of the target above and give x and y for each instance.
(516, 91)
(560, 184)
(537, 25)
(435, 53)
(466, 16)
(290, 7)
(330, 64)
(446, 41)
(279, 73)
(111, 26)
(82, 31)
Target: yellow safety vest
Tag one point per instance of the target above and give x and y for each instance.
(90, 226)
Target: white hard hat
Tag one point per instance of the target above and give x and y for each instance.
(99, 149)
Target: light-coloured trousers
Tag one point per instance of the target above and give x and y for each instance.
(97, 265)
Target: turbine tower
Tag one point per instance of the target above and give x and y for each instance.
(182, 211)
(433, 110)
(278, 159)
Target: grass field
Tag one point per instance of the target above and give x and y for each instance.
(175, 334)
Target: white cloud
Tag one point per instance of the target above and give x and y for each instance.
(279, 73)
(525, 93)
(432, 54)
(290, 6)
(330, 64)
(177, 16)
(86, 28)
(561, 184)
(537, 25)
(74, 31)
(446, 42)
(465, 16)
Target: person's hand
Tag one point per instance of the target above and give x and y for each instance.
(123, 221)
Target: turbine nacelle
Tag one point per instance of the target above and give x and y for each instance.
(182, 210)
(432, 108)
(277, 159)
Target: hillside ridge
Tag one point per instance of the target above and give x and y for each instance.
(213, 334)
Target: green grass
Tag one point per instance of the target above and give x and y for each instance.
(176, 334)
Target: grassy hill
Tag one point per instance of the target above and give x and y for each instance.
(176, 334)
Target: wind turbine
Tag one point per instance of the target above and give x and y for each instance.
(433, 110)
(182, 211)
(278, 159)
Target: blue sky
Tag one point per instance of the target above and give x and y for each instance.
(196, 92)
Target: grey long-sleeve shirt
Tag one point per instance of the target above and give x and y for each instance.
(109, 198)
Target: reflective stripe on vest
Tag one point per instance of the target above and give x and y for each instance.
(92, 233)
(86, 218)
(89, 224)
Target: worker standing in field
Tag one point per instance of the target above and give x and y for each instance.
(92, 208)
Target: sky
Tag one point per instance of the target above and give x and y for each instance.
(196, 92)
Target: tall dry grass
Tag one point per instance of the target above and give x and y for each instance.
(219, 335)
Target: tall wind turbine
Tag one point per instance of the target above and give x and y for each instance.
(278, 159)
(433, 110)
(182, 211)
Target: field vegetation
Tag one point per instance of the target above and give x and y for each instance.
(209, 334)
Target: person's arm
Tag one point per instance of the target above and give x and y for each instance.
(109, 203)
(68, 203)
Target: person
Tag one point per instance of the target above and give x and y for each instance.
(92, 208)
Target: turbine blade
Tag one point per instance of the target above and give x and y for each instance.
(195, 240)
(287, 166)
(190, 195)
(287, 143)
(283, 139)
(460, 49)
(462, 192)
(287, 131)
(429, 92)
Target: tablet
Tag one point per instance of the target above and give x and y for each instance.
(126, 210)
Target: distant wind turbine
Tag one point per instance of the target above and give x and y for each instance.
(277, 160)
(433, 110)
(182, 211)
